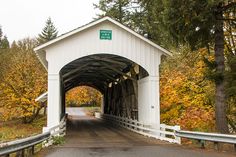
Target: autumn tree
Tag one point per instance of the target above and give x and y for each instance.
(200, 24)
(187, 97)
(23, 80)
(83, 95)
(48, 33)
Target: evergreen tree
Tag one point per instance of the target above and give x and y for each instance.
(143, 16)
(4, 43)
(200, 24)
(148, 20)
(230, 53)
(49, 32)
(117, 9)
(0, 33)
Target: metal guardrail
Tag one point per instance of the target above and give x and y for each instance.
(212, 137)
(29, 142)
(14, 146)
(166, 133)
(171, 133)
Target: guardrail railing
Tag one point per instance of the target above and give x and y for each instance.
(212, 137)
(166, 133)
(20, 146)
(171, 133)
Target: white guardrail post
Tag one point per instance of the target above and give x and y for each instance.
(163, 129)
(177, 139)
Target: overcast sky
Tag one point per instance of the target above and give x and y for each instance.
(26, 18)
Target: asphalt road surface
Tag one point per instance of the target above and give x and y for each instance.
(75, 111)
(89, 137)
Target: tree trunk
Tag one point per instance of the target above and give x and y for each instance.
(220, 102)
(120, 12)
(27, 120)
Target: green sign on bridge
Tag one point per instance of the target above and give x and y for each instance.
(106, 34)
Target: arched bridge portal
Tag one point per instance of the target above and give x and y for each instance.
(104, 54)
(114, 76)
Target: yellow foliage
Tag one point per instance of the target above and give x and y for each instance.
(186, 96)
(83, 95)
(23, 80)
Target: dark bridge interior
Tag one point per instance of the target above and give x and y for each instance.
(114, 76)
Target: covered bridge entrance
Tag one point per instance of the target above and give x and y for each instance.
(106, 55)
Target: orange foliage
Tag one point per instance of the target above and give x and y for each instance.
(23, 80)
(186, 96)
(83, 95)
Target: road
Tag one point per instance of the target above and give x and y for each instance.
(89, 137)
(75, 111)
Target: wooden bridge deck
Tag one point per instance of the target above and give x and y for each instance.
(90, 132)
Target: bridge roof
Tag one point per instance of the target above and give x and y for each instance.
(91, 24)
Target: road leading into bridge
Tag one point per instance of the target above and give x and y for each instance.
(89, 137)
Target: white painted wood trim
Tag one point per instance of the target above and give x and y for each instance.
(95, 23)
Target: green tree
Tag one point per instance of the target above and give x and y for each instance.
(230, 55)
(48, 33)
(4, 49)
(120, 10)
(144, 16)
(1, 33)
(200, 24)
(4, 43)
(148, 20)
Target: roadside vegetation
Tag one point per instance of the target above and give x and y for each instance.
(15, 129)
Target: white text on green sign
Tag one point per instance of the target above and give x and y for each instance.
(106, 34)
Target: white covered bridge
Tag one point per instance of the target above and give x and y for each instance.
(124, 67)
(106, 55)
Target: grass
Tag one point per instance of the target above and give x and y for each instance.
(15, 129)
(58, 140)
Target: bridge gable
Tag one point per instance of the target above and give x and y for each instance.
(87, 41)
